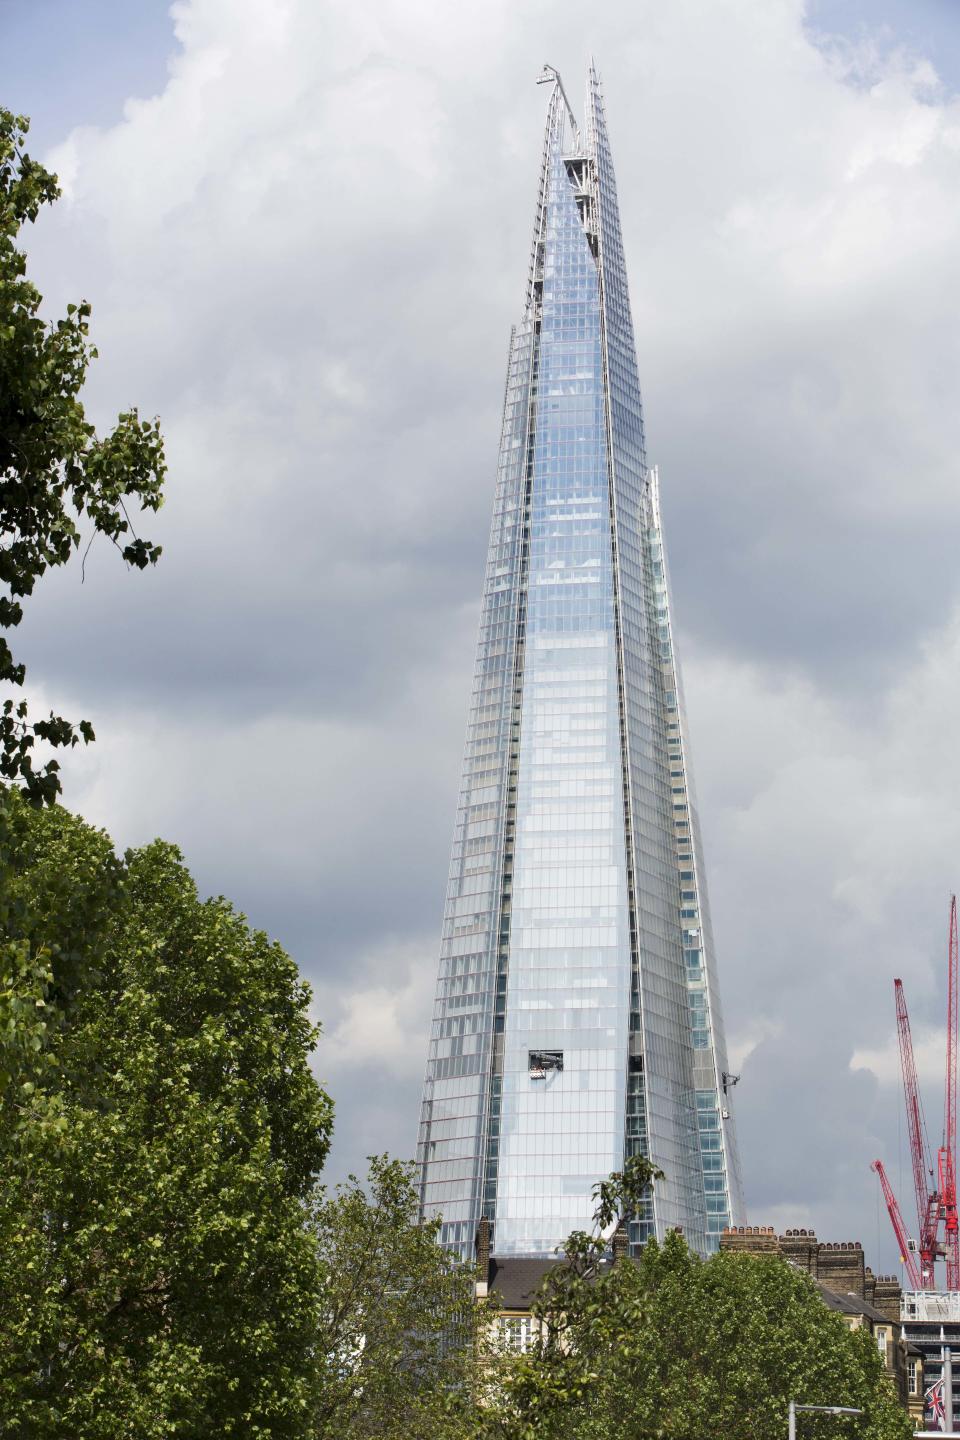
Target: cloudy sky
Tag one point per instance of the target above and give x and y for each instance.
(304, 232)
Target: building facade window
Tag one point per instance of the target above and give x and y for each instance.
(516, 1332)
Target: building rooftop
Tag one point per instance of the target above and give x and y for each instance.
(517, 1281)
(848, 1303)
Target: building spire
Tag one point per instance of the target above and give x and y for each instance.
(593, 107)
(577, 1021)
(550, 75)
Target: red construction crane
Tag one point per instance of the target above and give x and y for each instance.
(899, 1229)
(936, 1194)
(928, 1197)
(948, 1151)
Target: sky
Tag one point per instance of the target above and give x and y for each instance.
(304, 233)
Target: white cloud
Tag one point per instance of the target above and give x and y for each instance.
(382, 1026)
(884, 1062)
(745, 1040)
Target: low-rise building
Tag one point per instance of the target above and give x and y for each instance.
(849, 1287)
(898, 1323)
(931, 1325)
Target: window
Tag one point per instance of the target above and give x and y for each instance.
(913, 1377)
(541, 1062)
(516, 1331)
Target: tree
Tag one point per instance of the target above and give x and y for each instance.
(401, 1334)
(160, 1135)
(675, 1346)
(55, 472)
(548, 1391)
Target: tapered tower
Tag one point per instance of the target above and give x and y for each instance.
(577, 1017)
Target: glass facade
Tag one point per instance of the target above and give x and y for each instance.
(712, 1078)
(568, 1027)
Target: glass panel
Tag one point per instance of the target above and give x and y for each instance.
(568, 983)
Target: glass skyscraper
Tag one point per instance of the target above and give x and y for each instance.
(577, 1018)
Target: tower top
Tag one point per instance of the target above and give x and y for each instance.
(550, 75)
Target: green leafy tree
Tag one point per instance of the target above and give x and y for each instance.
(547, 1391)
(160, 1137)
(401, 1334)
(674, 1346)
(56, 473)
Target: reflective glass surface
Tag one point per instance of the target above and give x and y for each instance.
(455, 1119)
(568, 980)
(577, 1018)
(714, 1084)
(660, 1017)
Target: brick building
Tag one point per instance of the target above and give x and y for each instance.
(846, 1284)
(849, 1287)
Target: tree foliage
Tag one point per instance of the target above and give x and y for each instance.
(401, 1336)
(675, 1346)
(56, 473)
(160, 1134)
(169, 1267)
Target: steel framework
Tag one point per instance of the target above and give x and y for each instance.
(926, 1193)
(948, 1151)
(935, 1191)
(899, 1229)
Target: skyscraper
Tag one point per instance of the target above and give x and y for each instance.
(577, 1018)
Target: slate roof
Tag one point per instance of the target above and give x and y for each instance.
(850, 1304)
(516, 1281)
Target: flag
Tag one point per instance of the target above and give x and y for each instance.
(933, 1398)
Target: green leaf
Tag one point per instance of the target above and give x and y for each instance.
(54, 468)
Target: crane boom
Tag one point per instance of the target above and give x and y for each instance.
(916, 1124)
(927, 1195)
(899, 1229)
(948, 1153)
